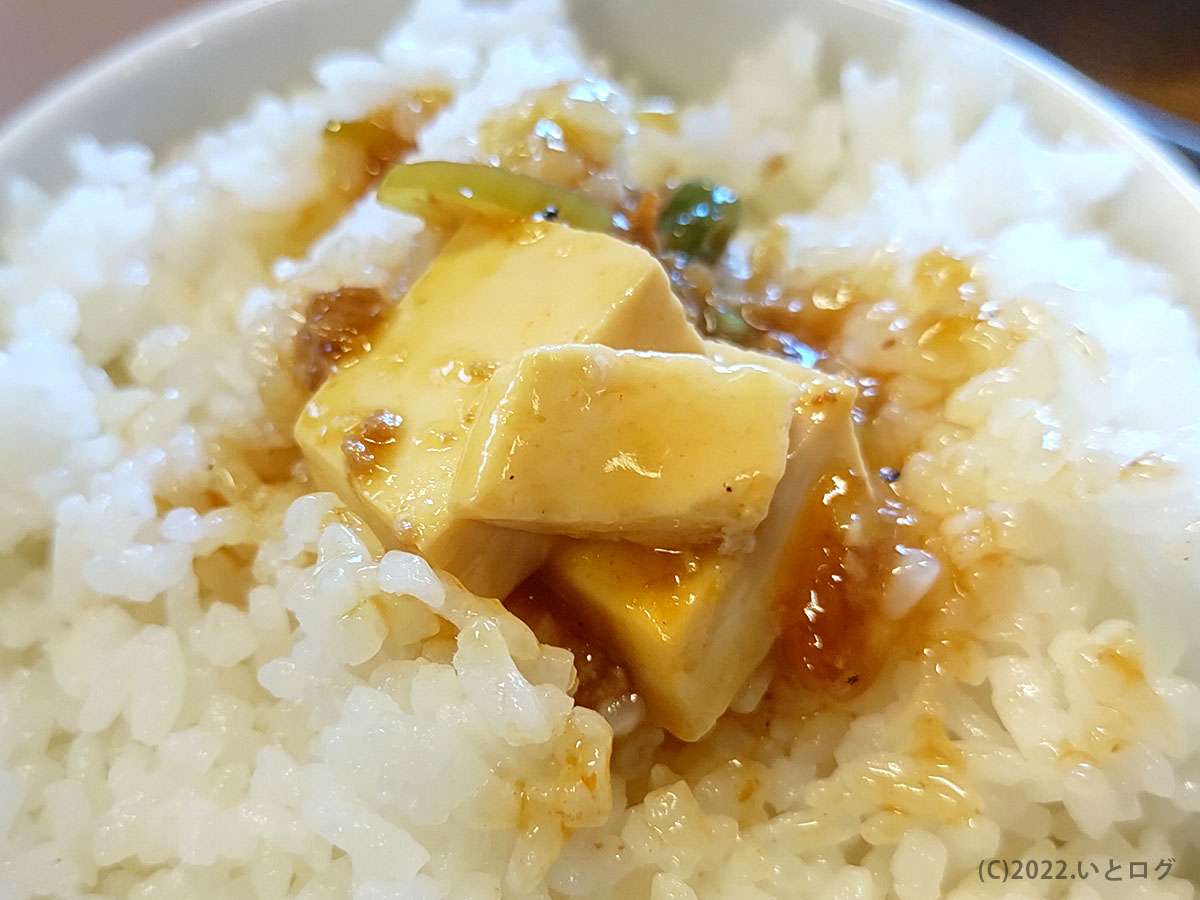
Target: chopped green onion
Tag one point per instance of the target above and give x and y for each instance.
(729, 325)
(451, 192)
(699, 219)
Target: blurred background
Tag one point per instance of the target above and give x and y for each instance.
(1149, 49)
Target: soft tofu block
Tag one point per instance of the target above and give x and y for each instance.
(492, 293)
(724, 354)
(583, 440)
(692, 624)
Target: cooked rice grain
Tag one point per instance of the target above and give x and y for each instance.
(214, 683)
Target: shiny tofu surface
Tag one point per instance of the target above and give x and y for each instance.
(387, 432)
(732, 355)
(724, 354)
(694, 623)
(584, 440)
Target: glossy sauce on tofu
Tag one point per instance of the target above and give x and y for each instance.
(860, 582)
(493, 292)
(829, 592)
(830, 595)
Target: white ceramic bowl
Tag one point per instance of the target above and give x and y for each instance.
(197, 70)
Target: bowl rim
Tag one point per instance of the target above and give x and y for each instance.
(187, 30)
(105, 70)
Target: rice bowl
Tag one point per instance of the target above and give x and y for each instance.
(216, 679)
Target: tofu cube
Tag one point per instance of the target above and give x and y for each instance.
(584, 440)
(409, 401)
(725, 354)
(692, 624)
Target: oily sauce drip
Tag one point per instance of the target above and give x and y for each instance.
(835, 637)
(337, 324)
(355, 154)
(885, 333)
(825, 603)
(601, 678)
(363, 445)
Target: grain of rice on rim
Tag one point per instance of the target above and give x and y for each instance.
(201, 697)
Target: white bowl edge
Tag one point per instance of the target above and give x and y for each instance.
(196, 70)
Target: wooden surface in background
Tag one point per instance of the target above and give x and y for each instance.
(1147, 48)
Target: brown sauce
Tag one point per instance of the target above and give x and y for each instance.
(362, 445)
(337, 324)
(835, 637)
(601, 677)
(565, 134)
(354, 156)
(358, 153)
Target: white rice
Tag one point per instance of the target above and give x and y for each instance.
(251, 702)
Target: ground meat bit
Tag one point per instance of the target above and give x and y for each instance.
(362, 445)
(336, 324)
(640, 212)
